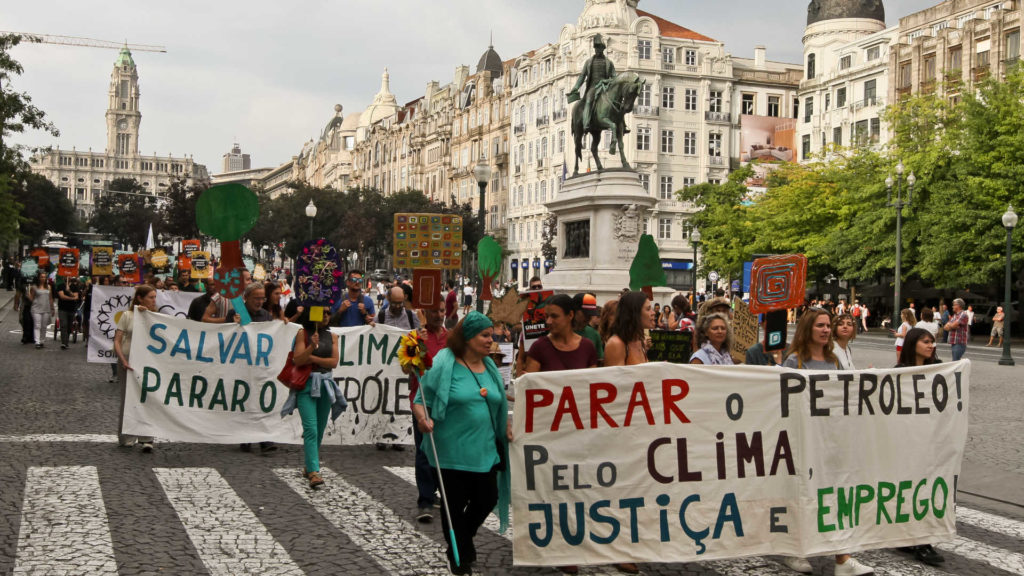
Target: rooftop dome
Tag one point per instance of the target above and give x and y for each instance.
(820, 10)
(384, 103)
(491, 62)
(124, 58)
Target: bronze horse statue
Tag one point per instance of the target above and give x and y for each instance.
(614, 100)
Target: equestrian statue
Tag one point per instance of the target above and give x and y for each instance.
(607, 100)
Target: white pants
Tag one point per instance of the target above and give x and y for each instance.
(41, 320)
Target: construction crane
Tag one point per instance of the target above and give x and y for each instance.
(85, 42)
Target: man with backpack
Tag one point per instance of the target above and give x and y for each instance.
(396, 314)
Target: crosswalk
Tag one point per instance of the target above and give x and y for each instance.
(64, 529)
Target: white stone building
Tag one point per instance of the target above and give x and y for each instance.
(83, 175)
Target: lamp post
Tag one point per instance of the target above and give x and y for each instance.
(311, 214)
(899, 204)
(1009, 222)
(695, 240)
(482, 172)
(829, 279)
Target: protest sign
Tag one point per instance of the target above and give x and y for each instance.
(128, 268)
(778, 283)
(213, 383)
(670, 346)
(535, 319)
(67, 262)
(107, 304)
(189, 246)
(744, 330)
(669, 463)
(200, 265)
(427, 241)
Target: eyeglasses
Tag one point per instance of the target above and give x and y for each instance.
(536, 287)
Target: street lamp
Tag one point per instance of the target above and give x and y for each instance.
(829, 279)
(311, 214)
(482, 172)
(695, 240)
(899, 204)
(1009, 222)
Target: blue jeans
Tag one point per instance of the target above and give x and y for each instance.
(314, 413)
(958, 351)
(426, 484)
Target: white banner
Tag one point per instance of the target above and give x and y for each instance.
(210, 383)
(216, 383)
(107, 304)
(676, 463)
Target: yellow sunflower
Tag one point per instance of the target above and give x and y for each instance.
(412, 352)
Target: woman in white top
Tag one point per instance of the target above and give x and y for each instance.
(844, 330)
(145, 297)
(928, 322)
(907, 315)
(42, 306)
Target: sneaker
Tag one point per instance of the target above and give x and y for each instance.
(63, 346)
(315, 481)
(926, 554)
(147, 447)
(795, 564)
(126, 443)
(853, 568)
(425, 516)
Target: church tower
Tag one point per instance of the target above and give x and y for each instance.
(123, 116)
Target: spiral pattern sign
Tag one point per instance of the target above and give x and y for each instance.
(778, 283)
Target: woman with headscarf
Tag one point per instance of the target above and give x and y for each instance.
(462, 409)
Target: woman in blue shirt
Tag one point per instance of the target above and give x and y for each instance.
(461, 404)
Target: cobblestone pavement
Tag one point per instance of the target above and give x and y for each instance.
(71, 502)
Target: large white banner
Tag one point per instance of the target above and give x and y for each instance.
(675, 463)
(216, 383)
(108, 302)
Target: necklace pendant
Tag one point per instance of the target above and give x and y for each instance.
(483, 392)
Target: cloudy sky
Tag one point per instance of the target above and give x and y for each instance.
(267, 73)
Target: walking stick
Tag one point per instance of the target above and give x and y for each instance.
(444, 497)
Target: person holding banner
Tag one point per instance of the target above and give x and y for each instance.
(42, 307)
(714, 340)
(316, 345)
(462, 408)
(812, 350)
(145, 297)
(633, 316)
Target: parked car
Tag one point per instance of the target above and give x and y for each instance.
(984, 312)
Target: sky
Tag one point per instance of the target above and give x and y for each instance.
(267, 74)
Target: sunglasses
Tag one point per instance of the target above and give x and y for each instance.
(536, 287)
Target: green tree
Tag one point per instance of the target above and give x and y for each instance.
(125, 212)
(178, 212)
(727, 233)
(44, 207)
(17, 112)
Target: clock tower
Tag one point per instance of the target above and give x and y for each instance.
(123, 116)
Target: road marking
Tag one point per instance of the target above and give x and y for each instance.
(990, 522)
(229, 538)
(64, 523)
(90, 438)
(997, 557)
(392, 542)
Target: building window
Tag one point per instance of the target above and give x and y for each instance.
(981, 59)
(876, 130)
(664, 228)
(837, 135)
(689, 181)
(869, 92)
(808, 109)
(645, 181)
(810, 66)
(1013, 45)
(845, 62)
(668, 97)
(774, 103)
(956, 58)
(577, 239)
(644, 49)
(667, 141)
(904, 75)
(806, 145)
(668, 55)
(690, 99)
(644, 97)
(840, 97)
(928, 69)
(715, 145)
(665, 191)
(715, 101)
(691, 57)
(873, 53)
(828, 100)
(690, 143)
(643, 138)
(561, 141)
(747, 104)
(859, 137)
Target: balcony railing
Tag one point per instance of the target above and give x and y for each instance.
(559, 115)
(868, 103)
(716, 160)
(519, 129)
(645, 110)
(720, 117)
(542, 121)
(501, 159)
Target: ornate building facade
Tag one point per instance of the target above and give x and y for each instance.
(84, 175)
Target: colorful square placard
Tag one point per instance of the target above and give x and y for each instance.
(428, 241)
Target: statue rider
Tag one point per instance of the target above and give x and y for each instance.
(597, 72)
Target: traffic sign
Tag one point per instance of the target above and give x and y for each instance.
(713, 276)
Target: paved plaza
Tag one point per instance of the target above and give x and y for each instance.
(72, 502)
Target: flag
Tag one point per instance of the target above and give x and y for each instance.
(149, 239)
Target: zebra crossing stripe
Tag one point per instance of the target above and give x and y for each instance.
(90, 438)
(990, 522)
(64, 523)
(392, 542)
(981, 552)
(229, 538)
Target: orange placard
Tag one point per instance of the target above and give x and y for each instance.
(189, 246)
(42, 257)
(778, 283)
(67, 262)
(128, 268)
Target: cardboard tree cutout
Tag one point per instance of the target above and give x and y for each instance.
(489, 254)
(226, 212)
(509, 308)
(646, 272)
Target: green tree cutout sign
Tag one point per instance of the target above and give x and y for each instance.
(646, 272)
(489, 255)
(226, 212)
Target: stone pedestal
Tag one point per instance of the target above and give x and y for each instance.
(600, 220)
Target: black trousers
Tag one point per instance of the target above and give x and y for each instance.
(27, 323)
(471, 497)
